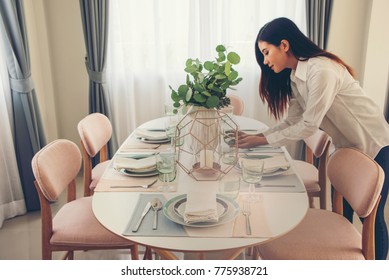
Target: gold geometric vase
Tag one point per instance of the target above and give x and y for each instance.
(204, 133)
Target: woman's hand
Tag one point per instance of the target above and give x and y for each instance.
(246, 141)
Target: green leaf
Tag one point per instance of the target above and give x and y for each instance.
(233, 57)
(188, 62)
(222, 56)
(225, 85)
(207, 93)
(188, 95)
(220, 69)
(213, 101)
(176, 104)
(237, 81)
(233, 75)
(190, 69)
(198, 87)
(227, 69)
(220, 48)
(175, 97)
(208, 65)
(200, 77)
(220, 77)
(182, 90)
(199, 98)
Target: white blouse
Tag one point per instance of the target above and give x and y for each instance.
(326, 96)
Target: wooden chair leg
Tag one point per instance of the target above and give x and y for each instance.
(249, 251)
(311, 203)
(135, 252)
(148, 255)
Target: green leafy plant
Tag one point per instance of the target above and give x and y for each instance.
(207, 83)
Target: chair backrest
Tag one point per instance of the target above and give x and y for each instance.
(56, 166)
(95, 130)
(318, 142)
(357, 177)
(237, 104)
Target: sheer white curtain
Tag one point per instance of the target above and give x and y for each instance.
(11, 193)
(150, 41)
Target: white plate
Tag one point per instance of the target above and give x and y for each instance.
(278, 171)
(232, 211)
(135, 155)
(139, 174)
(156, 141)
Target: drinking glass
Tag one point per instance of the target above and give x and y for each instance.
(172, 132)
(252, 171)
(229, 185)
(167, 169)
(169, 110)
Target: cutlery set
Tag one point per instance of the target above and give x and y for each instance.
(146, 186)
(154, 204)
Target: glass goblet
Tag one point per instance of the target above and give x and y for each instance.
(252, 172)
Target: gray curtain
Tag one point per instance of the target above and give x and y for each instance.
(94, 15)
(318, 18)
(29, 134)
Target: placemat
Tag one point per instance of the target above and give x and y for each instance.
(111, 177)
(165, 226)
(258, 222)
(236, 228)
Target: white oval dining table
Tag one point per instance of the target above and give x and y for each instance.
(282, 211)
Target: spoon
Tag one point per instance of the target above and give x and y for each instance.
(156, 204)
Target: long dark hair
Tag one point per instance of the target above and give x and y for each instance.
(274, 88)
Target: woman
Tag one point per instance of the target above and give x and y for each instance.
(317, 90)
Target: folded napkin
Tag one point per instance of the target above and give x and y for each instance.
(131, 164)
(151, 135)
(273, 164)
(200, 208)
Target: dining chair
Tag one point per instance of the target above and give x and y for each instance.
(237, 104)
(315, 179)
(95, 130)
(74, 227)
(325, 234)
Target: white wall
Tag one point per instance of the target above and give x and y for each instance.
(57, 54)
(377, 53)
(348, 32)
(41, 65)
(359, 35)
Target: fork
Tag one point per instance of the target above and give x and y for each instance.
(246, 213)
(146, 186)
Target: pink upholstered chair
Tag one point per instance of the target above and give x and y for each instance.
(315, 179)
(74, 227)
(328, 235)
(237, 104)
(95, 130)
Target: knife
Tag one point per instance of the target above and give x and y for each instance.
(274, 186)
(145, 211)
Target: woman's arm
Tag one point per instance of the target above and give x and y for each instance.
(322, 86)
